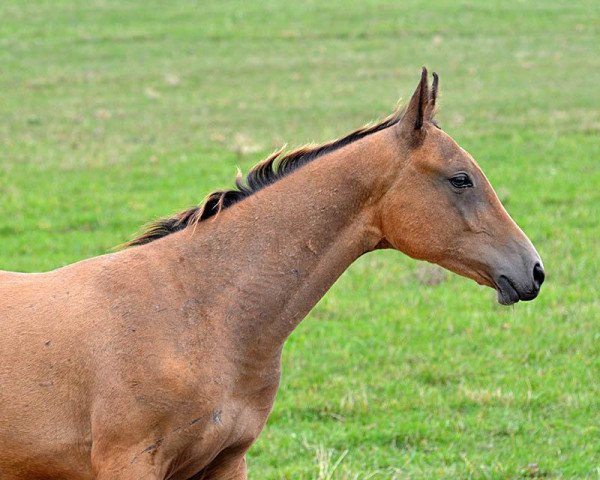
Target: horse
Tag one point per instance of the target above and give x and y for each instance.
(162, 360)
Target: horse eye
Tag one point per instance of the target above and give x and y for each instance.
(461, 180)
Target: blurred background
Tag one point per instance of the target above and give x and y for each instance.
(114, 113)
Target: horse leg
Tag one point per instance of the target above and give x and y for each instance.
(233, 470)
(120, 467)
(129, 472)
(230, 468)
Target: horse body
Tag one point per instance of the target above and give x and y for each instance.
(38, 422)
(162, 361)
(166, 357)
(113, 364)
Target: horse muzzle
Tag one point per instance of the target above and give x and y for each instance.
(512, 288)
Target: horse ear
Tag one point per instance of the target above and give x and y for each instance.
(413, 117)
(433, 94)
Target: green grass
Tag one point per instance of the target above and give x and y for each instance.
(114, 113)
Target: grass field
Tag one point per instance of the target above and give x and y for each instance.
(114, 113)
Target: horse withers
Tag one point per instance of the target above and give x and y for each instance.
(162, 361)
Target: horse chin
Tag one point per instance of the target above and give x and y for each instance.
(506, 293)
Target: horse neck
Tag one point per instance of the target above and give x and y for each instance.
(268, 260)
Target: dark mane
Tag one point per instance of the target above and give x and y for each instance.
(260, 176)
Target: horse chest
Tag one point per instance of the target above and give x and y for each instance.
(229, 422)
(227, 430)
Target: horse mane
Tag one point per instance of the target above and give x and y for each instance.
(263, 174)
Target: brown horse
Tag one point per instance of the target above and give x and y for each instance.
(162, 361)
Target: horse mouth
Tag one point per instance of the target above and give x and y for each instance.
(506, 293)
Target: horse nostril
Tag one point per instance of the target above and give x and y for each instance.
(538, 275)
